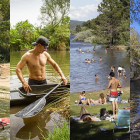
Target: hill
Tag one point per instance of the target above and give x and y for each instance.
(73, 23)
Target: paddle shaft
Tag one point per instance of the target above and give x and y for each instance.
(36, 106)
(43, 98)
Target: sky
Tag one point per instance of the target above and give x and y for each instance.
(83, 10)
(21, 10)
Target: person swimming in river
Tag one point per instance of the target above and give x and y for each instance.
(88, 50)
(100, 59)
(80, 50)
(87, 116)
(83, 99)
(93, 59)
(96, 77)
(102, 100)
(86, 61)
(93, 51)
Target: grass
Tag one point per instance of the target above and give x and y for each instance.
(91, 130)
(59, 133)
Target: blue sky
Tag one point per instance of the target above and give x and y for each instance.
(83, 10)
(136, 26)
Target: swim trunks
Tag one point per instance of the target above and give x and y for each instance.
(36, 82)
(113, 96)
(119, 71)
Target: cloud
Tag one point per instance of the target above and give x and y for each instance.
(84, 13)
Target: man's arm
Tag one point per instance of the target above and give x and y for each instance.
(19, 68)
(109, 84)
(119, 84)
(57, 68)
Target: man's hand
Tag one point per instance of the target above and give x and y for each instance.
(64, 80)
(26, 87)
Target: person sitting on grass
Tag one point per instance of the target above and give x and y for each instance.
(83, 99)
(102, 100)
(86, 117)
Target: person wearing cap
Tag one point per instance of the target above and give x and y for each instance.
(36, 60)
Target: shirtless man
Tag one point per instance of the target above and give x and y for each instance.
(114, 84)
(36, 60)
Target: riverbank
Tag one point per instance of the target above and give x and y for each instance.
(91, 130)
(75, 109)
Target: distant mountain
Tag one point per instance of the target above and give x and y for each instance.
(73, 23)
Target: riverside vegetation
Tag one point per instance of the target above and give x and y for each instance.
(56, 29)
(110, 28)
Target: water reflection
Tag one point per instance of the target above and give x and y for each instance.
(30, 127)
(83, 74)
(135, 110)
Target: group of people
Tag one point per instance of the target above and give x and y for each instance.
(121, 71)
(93, 59)
(83, 100)
(113, 84)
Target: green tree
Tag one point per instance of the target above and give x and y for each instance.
(53, 12)
(4, 30)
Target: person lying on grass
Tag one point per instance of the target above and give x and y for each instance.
(84, 100)
(102, 100)
(86, 117)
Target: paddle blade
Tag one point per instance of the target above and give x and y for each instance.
(32, 109)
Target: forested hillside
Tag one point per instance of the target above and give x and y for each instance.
(73, 23)
(111, 27)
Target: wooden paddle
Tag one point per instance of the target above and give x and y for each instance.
(35, 107)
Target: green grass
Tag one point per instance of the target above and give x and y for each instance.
(91, 130)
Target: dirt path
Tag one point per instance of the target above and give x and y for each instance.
(5, 75)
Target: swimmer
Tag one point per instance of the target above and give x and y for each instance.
(93, 51)
(105, 50)
(100, 59)
(125, 77)
(83, 52)
(86, 60)
(93, 59)
(88, 50)
(96, 77)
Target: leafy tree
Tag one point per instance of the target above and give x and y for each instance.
(53, 12)
(4, 28)
(78, 28)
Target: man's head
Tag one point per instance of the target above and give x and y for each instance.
(87, 119)
(42, 41)
(111, 74)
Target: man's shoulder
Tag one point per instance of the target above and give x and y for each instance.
(47, 54)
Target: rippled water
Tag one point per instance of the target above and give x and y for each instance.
(4, 113)
(135, 110)
(83, 74)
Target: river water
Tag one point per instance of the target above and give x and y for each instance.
(46, 120)
(83, 74)
(135, 110)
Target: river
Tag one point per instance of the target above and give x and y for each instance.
(135, 109)
(83, 74)
(46, 120)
